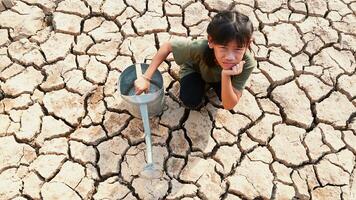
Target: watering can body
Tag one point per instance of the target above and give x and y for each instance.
(154, 98)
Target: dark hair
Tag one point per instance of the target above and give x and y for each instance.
(227, 26)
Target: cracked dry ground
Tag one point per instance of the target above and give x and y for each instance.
(65, 133)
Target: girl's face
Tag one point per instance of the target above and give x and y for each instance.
(228, 55)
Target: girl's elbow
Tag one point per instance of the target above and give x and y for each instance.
(229, 106)
(167, 47)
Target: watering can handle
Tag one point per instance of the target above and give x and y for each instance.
(138, 70)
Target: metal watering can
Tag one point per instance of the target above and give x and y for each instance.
(143, 106)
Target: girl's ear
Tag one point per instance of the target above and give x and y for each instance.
(210, 42)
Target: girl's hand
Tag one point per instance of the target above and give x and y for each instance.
(141, 85)
(235, 70)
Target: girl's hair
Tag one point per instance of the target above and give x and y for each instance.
(227, 26)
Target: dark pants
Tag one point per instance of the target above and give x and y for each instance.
(192, 90)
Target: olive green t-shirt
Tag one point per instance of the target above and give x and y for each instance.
(189, 55)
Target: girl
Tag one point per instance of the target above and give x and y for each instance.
(223, 61)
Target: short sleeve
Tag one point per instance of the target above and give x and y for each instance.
(181, 50)
(240, 80)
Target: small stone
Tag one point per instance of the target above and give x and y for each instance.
(261, 154)
(76, 7)
(223, 137)
(173, 115)
(296, 105)
(345, 83)
(113, 8)
(92, 23)
(104, 51)
(66, 105)
(103, 30)
(115, 122)
(282, 172)
(32, 185)
(228, 157)
(21, 102)
(82, 44)
(75, 81)
(327, 193)
(248, 105)
(288, 37)
(190, 172)
(178, 144)
(47, 165)
(329, 173)
(258, 84)
(247, 144)
(313, 86)
(67, 23)
(82, 152)
(253, 178)
(288, 136)
(55, 146)
(198, 126)
(91, 135)
(174, 166)
(262, 131)
(314, 142)
(223, 118)
(284, 191)
(11, 71)
(26, 81)
(57, 46)
(14, 154)
(96, 72)
(270, 6)
(337, 116)
(30, 122)
(58, 190)
(111, 152)
(11, 184)
(133, 162)
(111, 189)
(149, 23)
(179, 190)
(51, 128)
(195, 17)
(25, 22)
(70, 174)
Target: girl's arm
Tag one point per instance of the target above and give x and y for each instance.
(142, 83)
(229, 95)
